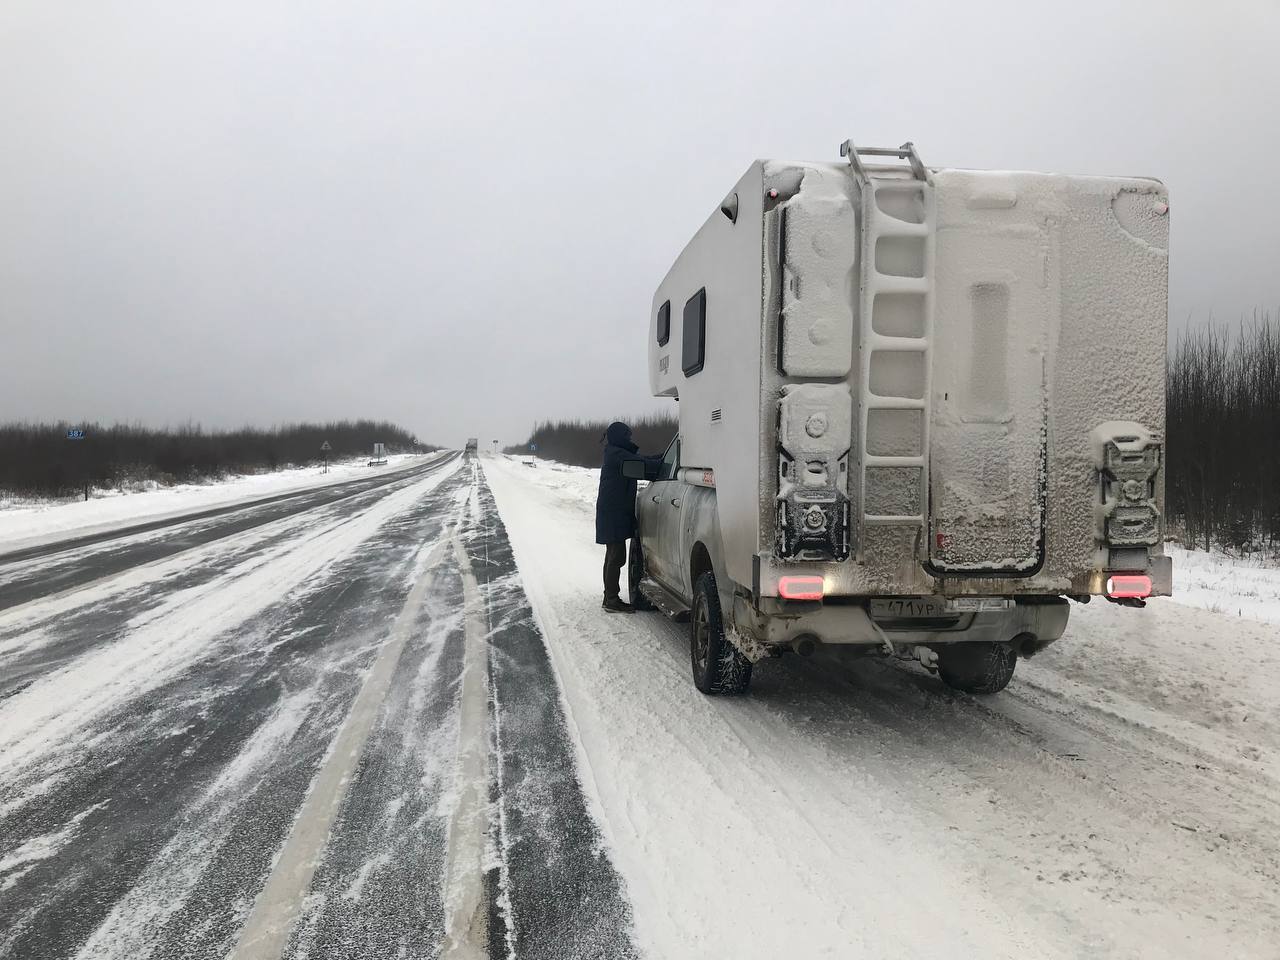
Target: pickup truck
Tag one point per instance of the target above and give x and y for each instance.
(920, 412)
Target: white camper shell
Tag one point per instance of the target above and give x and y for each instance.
(934, 396)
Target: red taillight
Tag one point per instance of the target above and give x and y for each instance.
(800, 588)
(1127, 585)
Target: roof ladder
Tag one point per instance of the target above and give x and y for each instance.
(895, 320)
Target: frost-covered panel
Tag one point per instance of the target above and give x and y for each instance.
(820, 241)
(995, 314)
(1109, 362)
(1051, 320)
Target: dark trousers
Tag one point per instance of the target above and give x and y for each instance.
(615, 558)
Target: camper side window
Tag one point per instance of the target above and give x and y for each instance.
(670, 461)
(664, 324)
(694, 353)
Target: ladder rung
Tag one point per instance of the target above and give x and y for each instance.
(898, 152)
(905, 152)
(887, 283)
(871, 460)
(874, 401)
(878, 341)
(893, 227)
(882, 520)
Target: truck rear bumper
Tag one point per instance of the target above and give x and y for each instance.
(1044, 620)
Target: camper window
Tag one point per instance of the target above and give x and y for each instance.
(695, 333)
(670, 460)
(664, 324)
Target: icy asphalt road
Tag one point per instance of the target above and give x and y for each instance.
(319, 727)
(353, 728)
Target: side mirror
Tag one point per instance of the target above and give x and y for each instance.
(640, 469)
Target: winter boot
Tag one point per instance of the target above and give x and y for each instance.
(617, 605)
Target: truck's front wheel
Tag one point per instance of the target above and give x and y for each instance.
(718, 666)
(976, 667)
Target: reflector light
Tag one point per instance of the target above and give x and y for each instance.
(800, 588)
(1129, 585)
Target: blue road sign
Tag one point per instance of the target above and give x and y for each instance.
(533, 448)
(75, 434)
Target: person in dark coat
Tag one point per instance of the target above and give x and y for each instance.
(616, 512)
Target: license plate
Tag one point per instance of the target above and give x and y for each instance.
(889, 609)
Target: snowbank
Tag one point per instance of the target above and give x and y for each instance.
(1236, 586)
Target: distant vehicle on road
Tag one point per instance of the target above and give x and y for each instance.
(473, 445)
(944, 421)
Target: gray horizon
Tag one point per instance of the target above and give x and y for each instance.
(454, 217)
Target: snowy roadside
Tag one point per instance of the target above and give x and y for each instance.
(28, 523)
(1117, 800)
(1237, 586)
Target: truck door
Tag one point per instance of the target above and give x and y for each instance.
(996, 307)
(659, 515)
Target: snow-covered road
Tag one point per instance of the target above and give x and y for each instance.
(1120, 799)
(389, 719)
(322, 731)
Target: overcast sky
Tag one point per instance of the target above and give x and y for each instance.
(454, 215)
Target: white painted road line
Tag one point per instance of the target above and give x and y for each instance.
(466, 916)
(266, 932)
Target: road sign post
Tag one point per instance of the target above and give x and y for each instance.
(324, 450)
(77, 434)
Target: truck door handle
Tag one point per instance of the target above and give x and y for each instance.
(654, 499)
(675, 502)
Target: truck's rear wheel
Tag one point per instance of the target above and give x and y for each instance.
(718, 666)
(976, 667)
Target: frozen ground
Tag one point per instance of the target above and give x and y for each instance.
(387, 718)
(1247, 587)
(24, 522)
(1120, 799)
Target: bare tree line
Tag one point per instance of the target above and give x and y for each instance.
(38, 459)
(581, 442)
(1223, 445)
